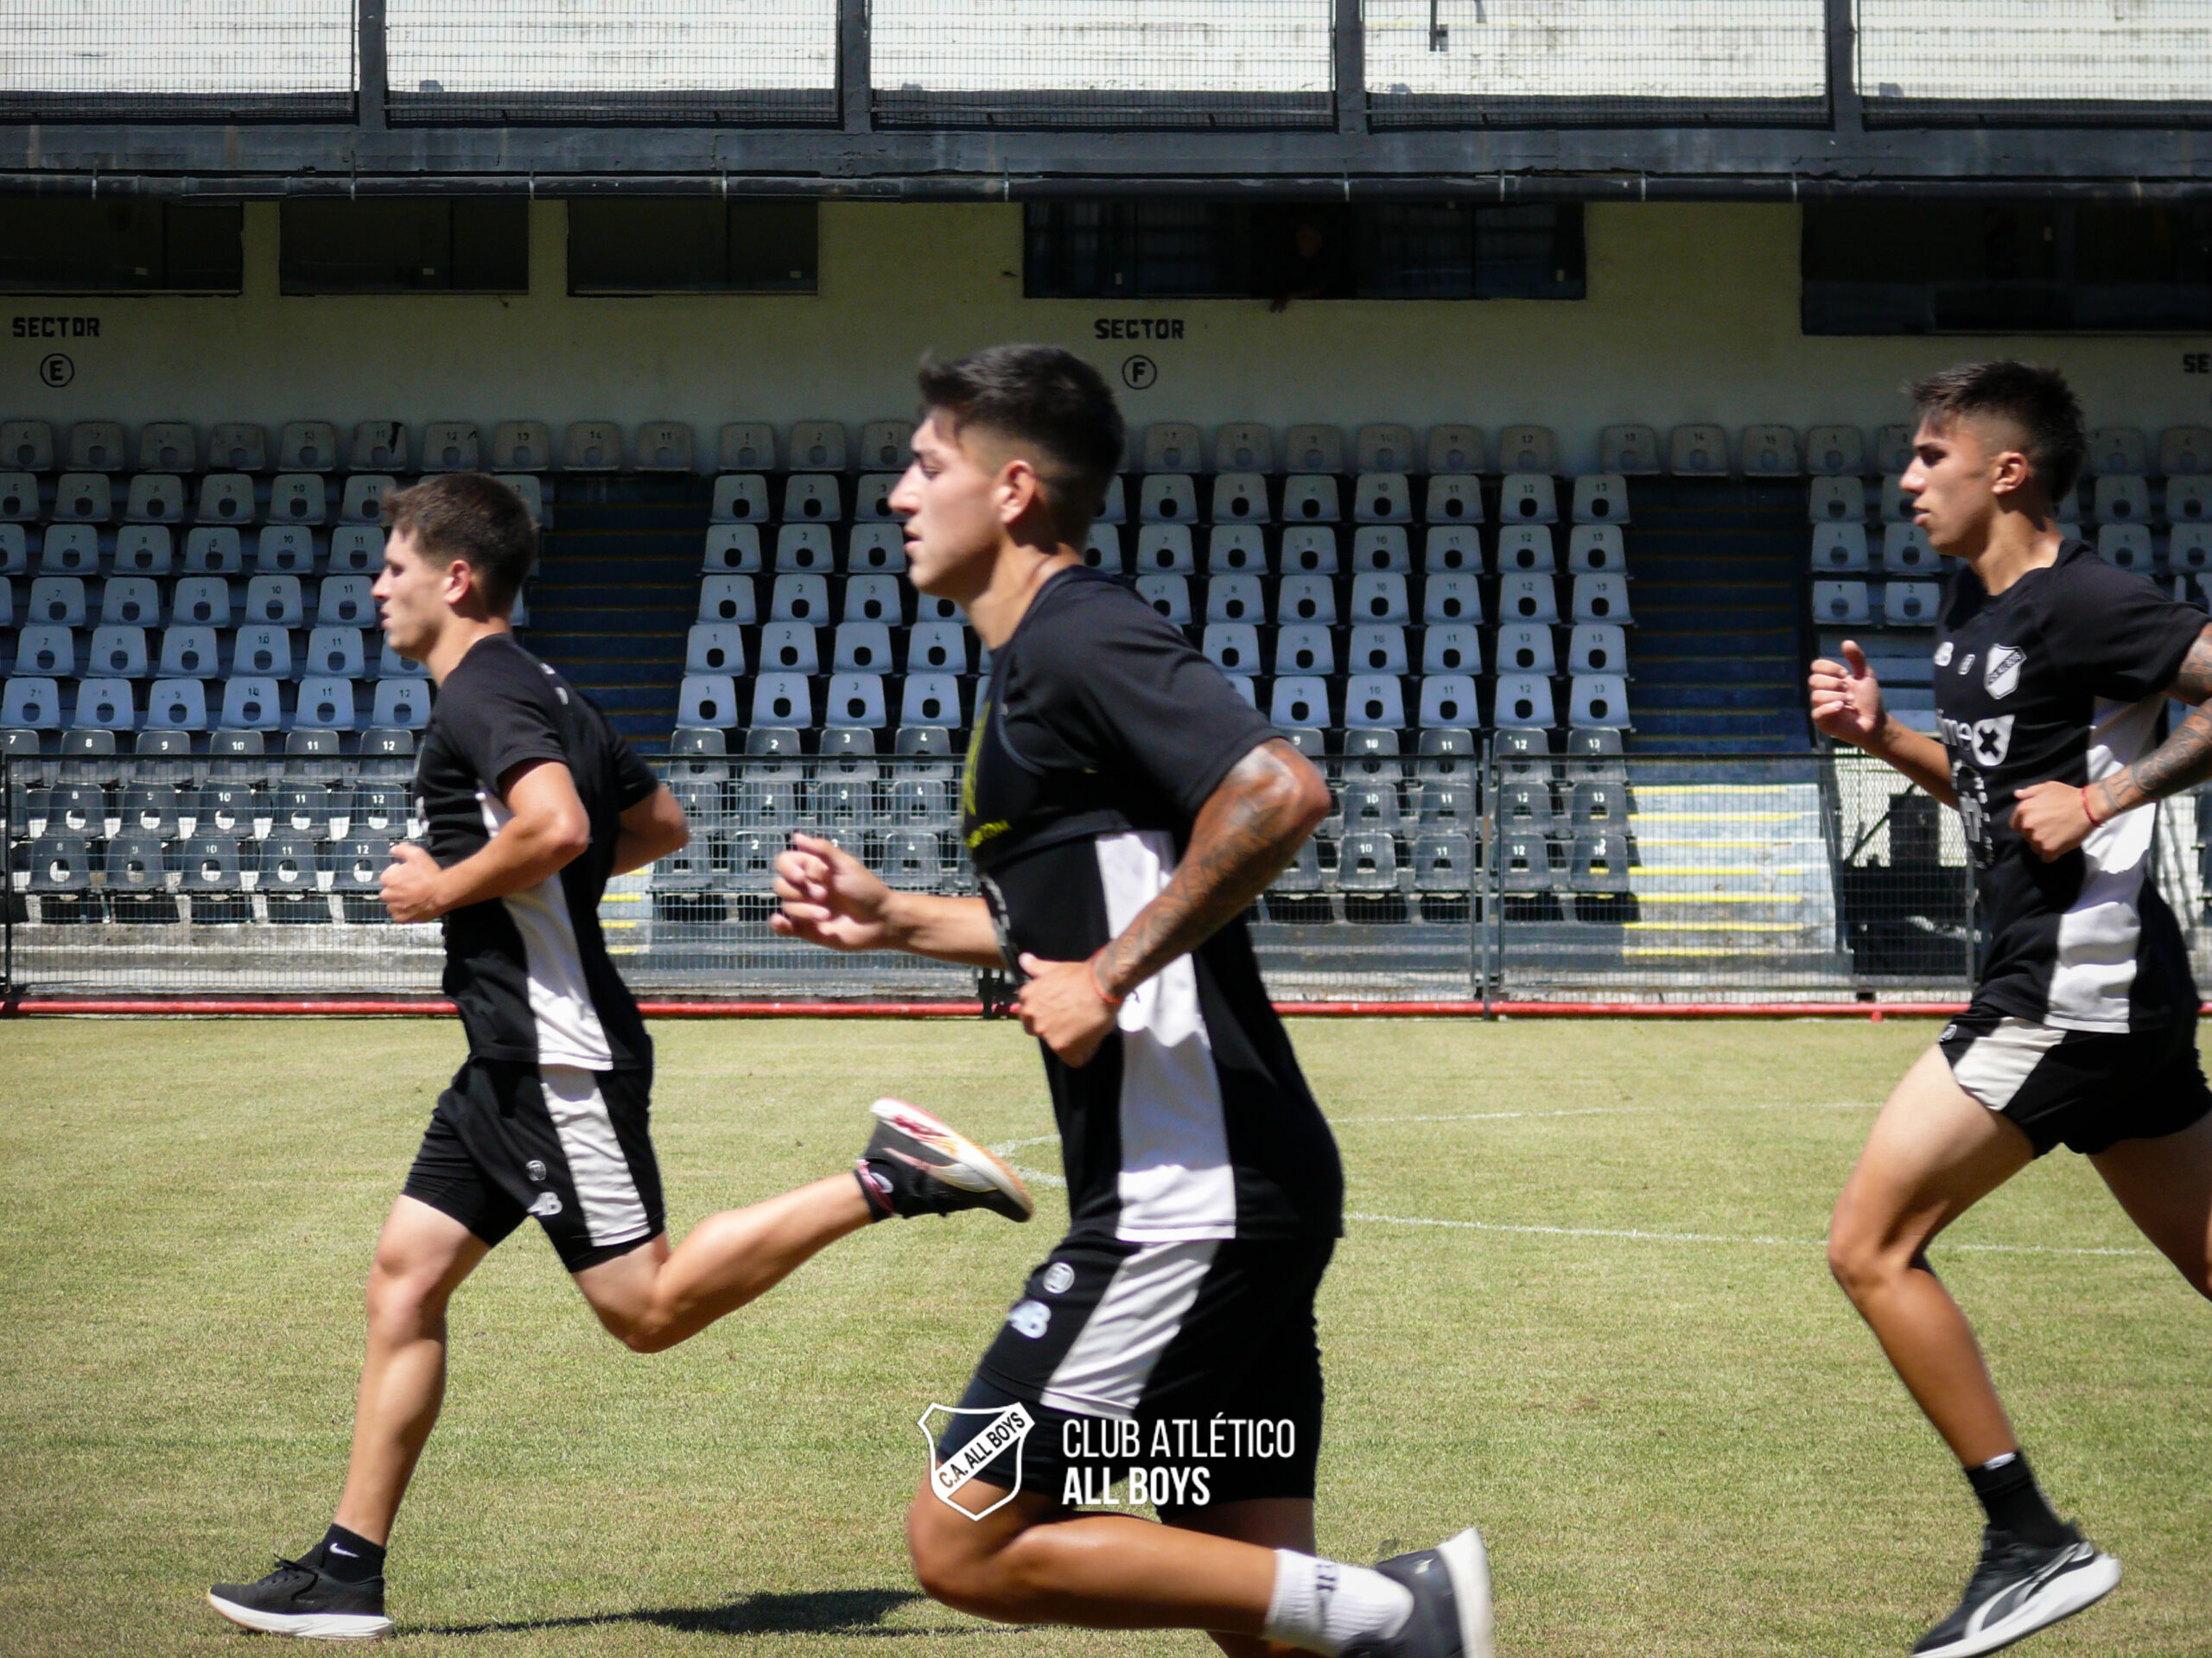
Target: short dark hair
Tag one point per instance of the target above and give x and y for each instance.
(471, 516)
(2054, 436)
(1045, 397)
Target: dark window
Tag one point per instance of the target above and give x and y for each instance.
(692, 245)
(404, 245)
(2045, 267)
(1205, 249)
(122, 245)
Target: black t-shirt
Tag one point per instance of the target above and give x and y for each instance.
(2062, 677)
(530, 971)
(1101, 736)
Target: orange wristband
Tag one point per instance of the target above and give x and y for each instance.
(1091, 973)
(2090, 812)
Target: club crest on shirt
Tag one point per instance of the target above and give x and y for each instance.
(2003, 673)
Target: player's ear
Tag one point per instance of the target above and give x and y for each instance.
(1020, 491)
(2009, 472)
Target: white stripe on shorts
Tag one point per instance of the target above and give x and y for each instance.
(1994, 1067)
(1105, 1369)
(614, 1212)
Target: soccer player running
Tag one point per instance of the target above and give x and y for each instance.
(532, 801)
(2052, 669)
(1124, 806)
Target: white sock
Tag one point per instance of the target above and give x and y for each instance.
(1320, 1605)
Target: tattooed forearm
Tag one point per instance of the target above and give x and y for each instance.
(2183, 760)
(2194, 683)
(1251, 827)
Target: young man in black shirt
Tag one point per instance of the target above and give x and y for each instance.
(1123, 807)
(531, 800)
(2052, 672)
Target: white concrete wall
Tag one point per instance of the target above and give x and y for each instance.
(1599, 48)
(1692, 316)
(578, 46)
(1986, 49)
(168, 45)
(1063, 46)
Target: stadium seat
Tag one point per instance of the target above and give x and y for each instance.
(1299, 700)
(379, 446)
(1600, 499)
(1598, 699)
(1380, 549)
(1526, 648)
(782, 700)
(1303, 873)
(1525, 549)
(145, 549)
(2189, 548)
(1374, 700)
(1368, 807)
(1698, 451)
(2185, 451)
(387, 755)
(791, 648)
(252, 702)
(664, 445)
(105, 704)
(1448, 700)
(1840, 601)
(130, 601)
(14, 552)
(284, 549)
(707, 700)
(58, 601)
(30, 702)
(1527, 498)
(60, 872)
(357, 549)
(237, 447)
(70, 549)
(1233, 647)
(746, 446)
(118, 652)
(1313, 598)
(1313, 449)
(27, 446)
(298, 498)
(1906, 551)
(2121, 498)
(715, 648)
(155, 498)
(811, 498)
(1380, 498)
(1629, 451)
(1523, 700)
(19, 498)
(855, 700)
(335, 651)
(1376, 648)
(324, 703)
(590, 445)
(1236, 550)
(1165, 550)
(306, 446)
(362, 501)
(1103, 549)
(1596, 550)
(275, 599)
(1835, 451)
(1302, 648)
(930, 700)
(1308, 550)
(1168, 595)
(1600, 598)
(83, 498)
(1232, 599)
(96, 446)
(1167, 497)
(732, 547)
(2117, 449)
(1839, 548)
(1596, 648)
(872, 498)
(1384, 447)
(1595, 801)
(875, 599)
(1837, 500)
(1453, 448)
(48, 649)
(861, 648)
(524, 446)
(1451, 550)
(1893, 450)
(937, 647)
(1770, 452)
(1240, 498)
(804, 549)
(1171, 446)
(1529, 598)
(2189, 500)
(1527, 448)
(887, 445)
(400, 705)
(1448, 806)
(931, 608)
(1243, 446)
(207, 600)
(1455, 598)
(177, 704)
(1910, 603)
(1451, 648)
(452, 446)
(213, 552)
(792, 599)
(2126, 545)
(817, 446)
(1443, 863)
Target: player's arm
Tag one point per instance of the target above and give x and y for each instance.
(1847, 706)
(2055, 817)
(831, 899)
(652, 829)
(1248, 829)
(548, 831)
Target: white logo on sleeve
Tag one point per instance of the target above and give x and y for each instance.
(1059, 1277)
(548, 1204)
(1992, 740)
(1030, 1318)
(1943, 654)
(2003, 673)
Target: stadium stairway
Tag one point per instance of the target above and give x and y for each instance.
(1719, 573)
(616, 590)
(1733, 870)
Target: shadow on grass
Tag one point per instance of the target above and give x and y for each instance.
(821, 1611)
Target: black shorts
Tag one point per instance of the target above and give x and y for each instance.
(1196, 1363)
(569, 1146)
(2087, 1089)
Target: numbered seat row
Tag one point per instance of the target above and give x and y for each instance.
(1514, 701)
(2116, 499)
(189, 651)
(231, 811)
(1442, 648)
(241, 702)
(83, 549)
(202, 879)
(231, 499)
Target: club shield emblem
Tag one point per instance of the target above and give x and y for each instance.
(2001, 676)
(1000, 1431)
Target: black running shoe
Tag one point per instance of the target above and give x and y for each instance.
(1452, 1614)
(296, 1599)
(915, 1164)
(2018, 1588)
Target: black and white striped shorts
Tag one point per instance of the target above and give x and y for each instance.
(571, 1147)
(2089, 1089)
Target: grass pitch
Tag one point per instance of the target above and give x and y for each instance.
(1584, 1306)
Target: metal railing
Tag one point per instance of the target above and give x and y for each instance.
(1484, 877)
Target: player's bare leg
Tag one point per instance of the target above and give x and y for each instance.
(1935, 1151)
(1273, 1522)
(653, 1297)
(2165, 1186)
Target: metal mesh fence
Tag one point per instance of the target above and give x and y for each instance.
(1497, 876)
(220, 59)
(1594, 62)
(2140, 61)
(1068, 63)
(663, 60)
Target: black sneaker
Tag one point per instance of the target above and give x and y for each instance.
(2018, 1588)
(296, 1599)
(915, 1164)
(1452, 1614)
